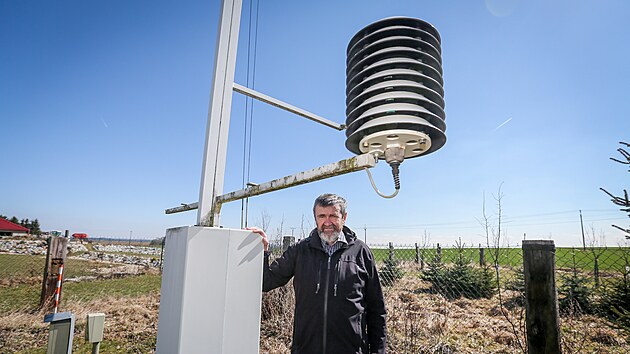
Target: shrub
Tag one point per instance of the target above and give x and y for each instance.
(575, 294)
(462, 279)
(390, 273)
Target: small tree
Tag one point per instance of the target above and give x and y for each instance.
(473, 283)
(575, 292)
(462, 279)
(434, 273)
(391, 272)
(616, 299)
(621, 201)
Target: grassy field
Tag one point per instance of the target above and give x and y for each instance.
(129, 295)
(609, 259)
(22, 276)
(419, 321)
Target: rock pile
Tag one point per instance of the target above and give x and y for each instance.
(121, 258)
(104, 253)
(33, 247)
(127, 249)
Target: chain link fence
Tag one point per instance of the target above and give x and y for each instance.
(437, 294)
(587, 279)
(23, 260)
(438, 298)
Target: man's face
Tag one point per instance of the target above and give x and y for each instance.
(329, 220)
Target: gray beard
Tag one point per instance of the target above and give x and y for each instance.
(332, 238)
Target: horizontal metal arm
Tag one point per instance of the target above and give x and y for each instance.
(287, 107)
(183, 207)
(353, 164)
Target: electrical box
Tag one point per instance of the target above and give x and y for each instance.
(211, 291)
(94, 326)
(61, 332)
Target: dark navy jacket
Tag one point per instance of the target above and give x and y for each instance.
(339, 305)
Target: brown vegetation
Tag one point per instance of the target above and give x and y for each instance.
(418, 322)
(423, 322)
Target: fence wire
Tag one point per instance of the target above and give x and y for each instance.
(591, 280)
(87, 265)
(432, 293)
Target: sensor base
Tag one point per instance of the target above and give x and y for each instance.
(414, 143)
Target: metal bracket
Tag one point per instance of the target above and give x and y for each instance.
(338, 168)
(287, 107)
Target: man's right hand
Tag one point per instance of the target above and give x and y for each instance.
(261, 232)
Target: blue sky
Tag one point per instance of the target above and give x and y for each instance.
(103, 109)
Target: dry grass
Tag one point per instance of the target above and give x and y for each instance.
(422, 322)
(130, 326)
(418, 322)
(276, 327)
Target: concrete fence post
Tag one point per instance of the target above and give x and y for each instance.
(541, 298)
(55, 258)
(417, 254)
(287, 241)
(482, 256)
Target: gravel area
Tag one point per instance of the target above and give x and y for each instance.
(105, 253)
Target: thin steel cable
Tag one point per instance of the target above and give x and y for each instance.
(245, 125)
(251, 111)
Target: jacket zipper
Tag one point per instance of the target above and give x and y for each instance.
(326, 306)
(319, 277)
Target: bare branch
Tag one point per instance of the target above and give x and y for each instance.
(627, 231)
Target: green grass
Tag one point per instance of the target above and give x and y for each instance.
(129, 286)
(609, 259)
(611, 262)
(25, 266)
(26, 296)
(19, 297)
(18, 265)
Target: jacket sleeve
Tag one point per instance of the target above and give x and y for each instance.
(280, 271)
(375, 308)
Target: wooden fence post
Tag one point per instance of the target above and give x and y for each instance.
(439, 254)
(482, 256)
(55, 257)
(541, 298)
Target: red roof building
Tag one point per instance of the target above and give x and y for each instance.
(8, 228)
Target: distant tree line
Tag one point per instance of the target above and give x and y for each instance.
(32, 225)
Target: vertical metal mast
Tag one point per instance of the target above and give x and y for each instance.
(213, 169)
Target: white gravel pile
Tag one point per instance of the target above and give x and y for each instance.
(121, 258)
(128, 249)
(24, 246)
(40, 247)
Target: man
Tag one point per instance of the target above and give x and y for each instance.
(339, 306)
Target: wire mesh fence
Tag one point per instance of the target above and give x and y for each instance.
(87, 268)
(434, 294)
(589, 280)
(438, 298)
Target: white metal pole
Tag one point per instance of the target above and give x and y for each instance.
(213, 169)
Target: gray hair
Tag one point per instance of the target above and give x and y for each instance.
(328, 199)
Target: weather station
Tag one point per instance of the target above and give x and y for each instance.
(212, 279)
